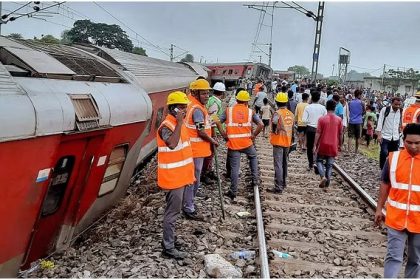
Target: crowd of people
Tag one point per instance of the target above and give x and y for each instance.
(307, 117)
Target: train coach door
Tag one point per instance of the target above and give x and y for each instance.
(68, 179)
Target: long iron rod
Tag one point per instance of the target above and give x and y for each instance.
(265, 272)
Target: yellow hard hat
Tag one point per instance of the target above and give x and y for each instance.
(177, 97)
(417, 95)
(243, 95)
(281, 97)
(200, 84)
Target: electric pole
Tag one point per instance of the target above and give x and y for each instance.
(172, 52)
(383, 75)
(317, 44)
(1, 2)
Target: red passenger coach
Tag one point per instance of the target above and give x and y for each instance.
(75, 123)
(231, 73)
(72, 127)
(158, 78)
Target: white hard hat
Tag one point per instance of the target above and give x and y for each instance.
(219, 86)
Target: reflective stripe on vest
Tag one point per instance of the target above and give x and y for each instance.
(239, 133)
(180, 146)
(403, 203)
(175, 166)
(403, 206)
(200, 147)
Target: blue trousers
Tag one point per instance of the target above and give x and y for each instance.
(386, 147)
(324, 164)
(191, 190)
(234, 158)
(395, 253)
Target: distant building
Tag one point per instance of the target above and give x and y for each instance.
(405, 87)
(284, 75)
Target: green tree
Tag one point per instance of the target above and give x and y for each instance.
(101, 34)
(49, 39)
(140, 51)
(16, 36)
(300, 70)
(188, 58)
(65, 39)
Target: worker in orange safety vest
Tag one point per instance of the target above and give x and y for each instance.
(175, 167)
(281, 139)
(198, 124)
(412, 113)
(400, 189)
(239, 139)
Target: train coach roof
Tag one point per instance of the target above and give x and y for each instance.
(155, 75)
(38, 106)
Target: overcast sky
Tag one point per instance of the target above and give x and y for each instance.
(376, 33)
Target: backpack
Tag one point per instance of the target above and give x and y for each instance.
(387, 111)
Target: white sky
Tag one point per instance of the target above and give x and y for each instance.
(376, 33)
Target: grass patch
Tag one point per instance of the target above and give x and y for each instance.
(370, 152)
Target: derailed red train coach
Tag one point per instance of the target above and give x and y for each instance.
(75, 122)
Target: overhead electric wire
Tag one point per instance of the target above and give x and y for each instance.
(150, 43)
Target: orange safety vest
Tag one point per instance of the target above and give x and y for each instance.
(200, 147)
(411, 115)
(257, 88)
(238, 127)
(285, 128)
(175, 167)
(403, 204)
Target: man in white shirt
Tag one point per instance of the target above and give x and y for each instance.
(389, 128)
(311, 114)
(324, 96)
(259, 100)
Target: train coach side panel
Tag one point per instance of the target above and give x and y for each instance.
(25, 167)
(93, 204)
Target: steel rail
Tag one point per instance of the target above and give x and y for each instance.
(365, 196)
(265, 271)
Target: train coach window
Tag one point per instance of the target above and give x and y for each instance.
(230, 71)
(112, 173)
(58, 184)
(159, 117)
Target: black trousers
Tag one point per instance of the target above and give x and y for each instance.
(310, 139)
(386, 147)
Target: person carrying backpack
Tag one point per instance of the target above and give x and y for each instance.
(389, 128)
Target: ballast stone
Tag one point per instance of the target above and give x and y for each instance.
(217, 267)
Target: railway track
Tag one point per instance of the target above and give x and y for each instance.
(325, 234)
